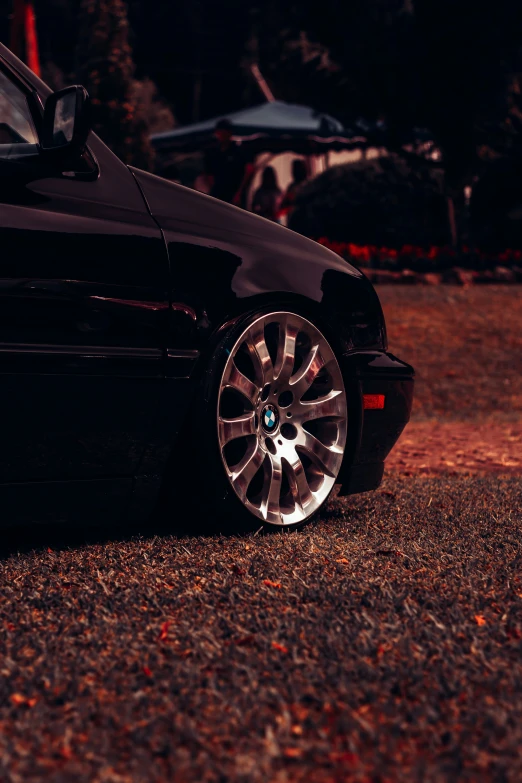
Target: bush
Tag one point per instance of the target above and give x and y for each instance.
(379, 202)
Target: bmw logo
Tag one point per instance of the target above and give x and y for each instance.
(269, 418)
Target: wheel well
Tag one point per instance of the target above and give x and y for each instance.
(313, 312)
(280, 300)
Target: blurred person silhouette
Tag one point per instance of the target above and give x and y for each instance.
(228, 166)
(299, 177)
(268, 195)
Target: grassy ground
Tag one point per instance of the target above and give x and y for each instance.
(465, 344)
(382, 644)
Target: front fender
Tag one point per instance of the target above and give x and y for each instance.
(225, 261)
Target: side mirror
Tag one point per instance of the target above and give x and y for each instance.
(66, 121)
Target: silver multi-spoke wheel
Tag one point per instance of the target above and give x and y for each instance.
(282, 418)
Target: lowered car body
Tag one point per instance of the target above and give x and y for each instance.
(116, 290)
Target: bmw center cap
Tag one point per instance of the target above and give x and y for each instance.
(269, 418)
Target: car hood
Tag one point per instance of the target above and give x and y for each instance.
(208, 220)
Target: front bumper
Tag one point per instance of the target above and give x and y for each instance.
(372, 433)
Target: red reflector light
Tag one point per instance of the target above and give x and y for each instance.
(373, 402)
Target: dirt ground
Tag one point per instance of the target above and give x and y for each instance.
(458, 447)
(466, 347)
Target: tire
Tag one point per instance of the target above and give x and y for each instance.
(268, 428)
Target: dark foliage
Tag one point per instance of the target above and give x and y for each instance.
(440, 63)
(496, 206)
(450, 65)
(104, 65)
(381, 201)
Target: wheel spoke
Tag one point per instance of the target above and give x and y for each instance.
(324, 457)
(331, 406)
(259, 354)
(245, 471)
(235, 379)
(298, 482)
(271, 498)
(230, 429)
(306, 375)
(285, 350)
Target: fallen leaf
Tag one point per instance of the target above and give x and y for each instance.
(269, 583)
(19, 698)
(280, 647)
(480, 620)
(293, 753)
(346, 757)
(164, 633)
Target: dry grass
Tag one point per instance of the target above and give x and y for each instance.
(382, 644)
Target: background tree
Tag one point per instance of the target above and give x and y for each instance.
(449, 66)
(192, 50)
(104, 65)
(452, 66)
(443, 64)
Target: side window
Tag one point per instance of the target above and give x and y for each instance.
(16, 125)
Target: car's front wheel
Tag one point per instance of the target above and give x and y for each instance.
(272, 434)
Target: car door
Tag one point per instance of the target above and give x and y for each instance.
(83, 310)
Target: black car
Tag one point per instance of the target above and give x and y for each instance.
(161, 348)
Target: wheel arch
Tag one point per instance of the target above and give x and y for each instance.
(325, 322)
(349, 322)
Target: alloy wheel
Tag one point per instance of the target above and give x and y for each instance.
(282, 418)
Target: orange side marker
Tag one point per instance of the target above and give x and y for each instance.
(373, 402)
